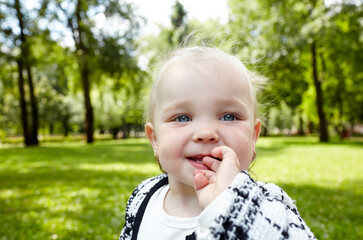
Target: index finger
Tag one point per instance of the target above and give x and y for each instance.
(212, 163)
(226, 154)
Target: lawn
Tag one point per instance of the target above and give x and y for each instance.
(79, 191)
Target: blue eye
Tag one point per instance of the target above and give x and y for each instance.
(228, 117)
(183, 118)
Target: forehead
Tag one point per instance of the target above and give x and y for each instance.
(204, 72)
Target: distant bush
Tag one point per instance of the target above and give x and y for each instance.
(54, 138)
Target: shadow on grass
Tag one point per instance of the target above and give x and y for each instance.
(308, 141)
(330, 213)
(117, 152)
(65, 204)
(273, 146)
(70, 191)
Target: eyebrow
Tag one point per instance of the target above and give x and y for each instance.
(177, 105)
(219, 101)
(232, 102)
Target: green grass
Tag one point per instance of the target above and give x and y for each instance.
(79, 191)
(326, 180)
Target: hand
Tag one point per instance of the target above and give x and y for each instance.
(208, 184)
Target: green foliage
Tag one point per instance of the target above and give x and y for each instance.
(281, 118)
(79, 191)
(271, 37)
(279, 35)
(118, 112)
(108, 54)
(179, 25)
(345, 72)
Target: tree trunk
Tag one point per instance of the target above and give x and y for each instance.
(114, 132)
(65, 129)
(82, 51)
(33, 104)
(78, 35)
(24, 115)
(87, 103)
(323, 128)
(23, 59)
(65, 122)
(339, 98)
(51, 128)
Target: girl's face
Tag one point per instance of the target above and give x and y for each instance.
(199, 106)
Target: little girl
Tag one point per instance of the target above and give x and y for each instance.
(203, 127)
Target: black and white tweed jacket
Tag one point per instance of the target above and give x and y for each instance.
(249, 210)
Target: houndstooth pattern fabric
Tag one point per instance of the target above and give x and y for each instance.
(248, 210)
(255, 210)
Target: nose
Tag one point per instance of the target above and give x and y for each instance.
(206, 134)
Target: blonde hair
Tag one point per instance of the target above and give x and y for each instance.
(255, 81)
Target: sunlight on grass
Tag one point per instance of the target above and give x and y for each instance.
(325, 179)
(319, 164)
(79, 191)
(70, 191)
(146, 168)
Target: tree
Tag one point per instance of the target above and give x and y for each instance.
(179, 27)
(19, 40)
(343, 48)
(54, 71)
(99, 55)
(317, 27)
(285, 33)
(269, 40)
(94, 48)
(9, 99)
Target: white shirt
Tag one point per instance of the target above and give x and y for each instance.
(157, 224)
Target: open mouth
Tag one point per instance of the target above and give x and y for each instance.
(199, 159)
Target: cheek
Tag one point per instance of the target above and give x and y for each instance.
(241, 142)
(244, 157)
(170, 143)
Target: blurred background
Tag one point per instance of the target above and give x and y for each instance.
(74, 81)
(84, 68)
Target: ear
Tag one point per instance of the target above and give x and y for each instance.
(256, 131)
(151, 135)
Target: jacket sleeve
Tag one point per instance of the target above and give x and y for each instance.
(252, 210)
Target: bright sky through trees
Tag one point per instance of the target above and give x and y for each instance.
(159, 11)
